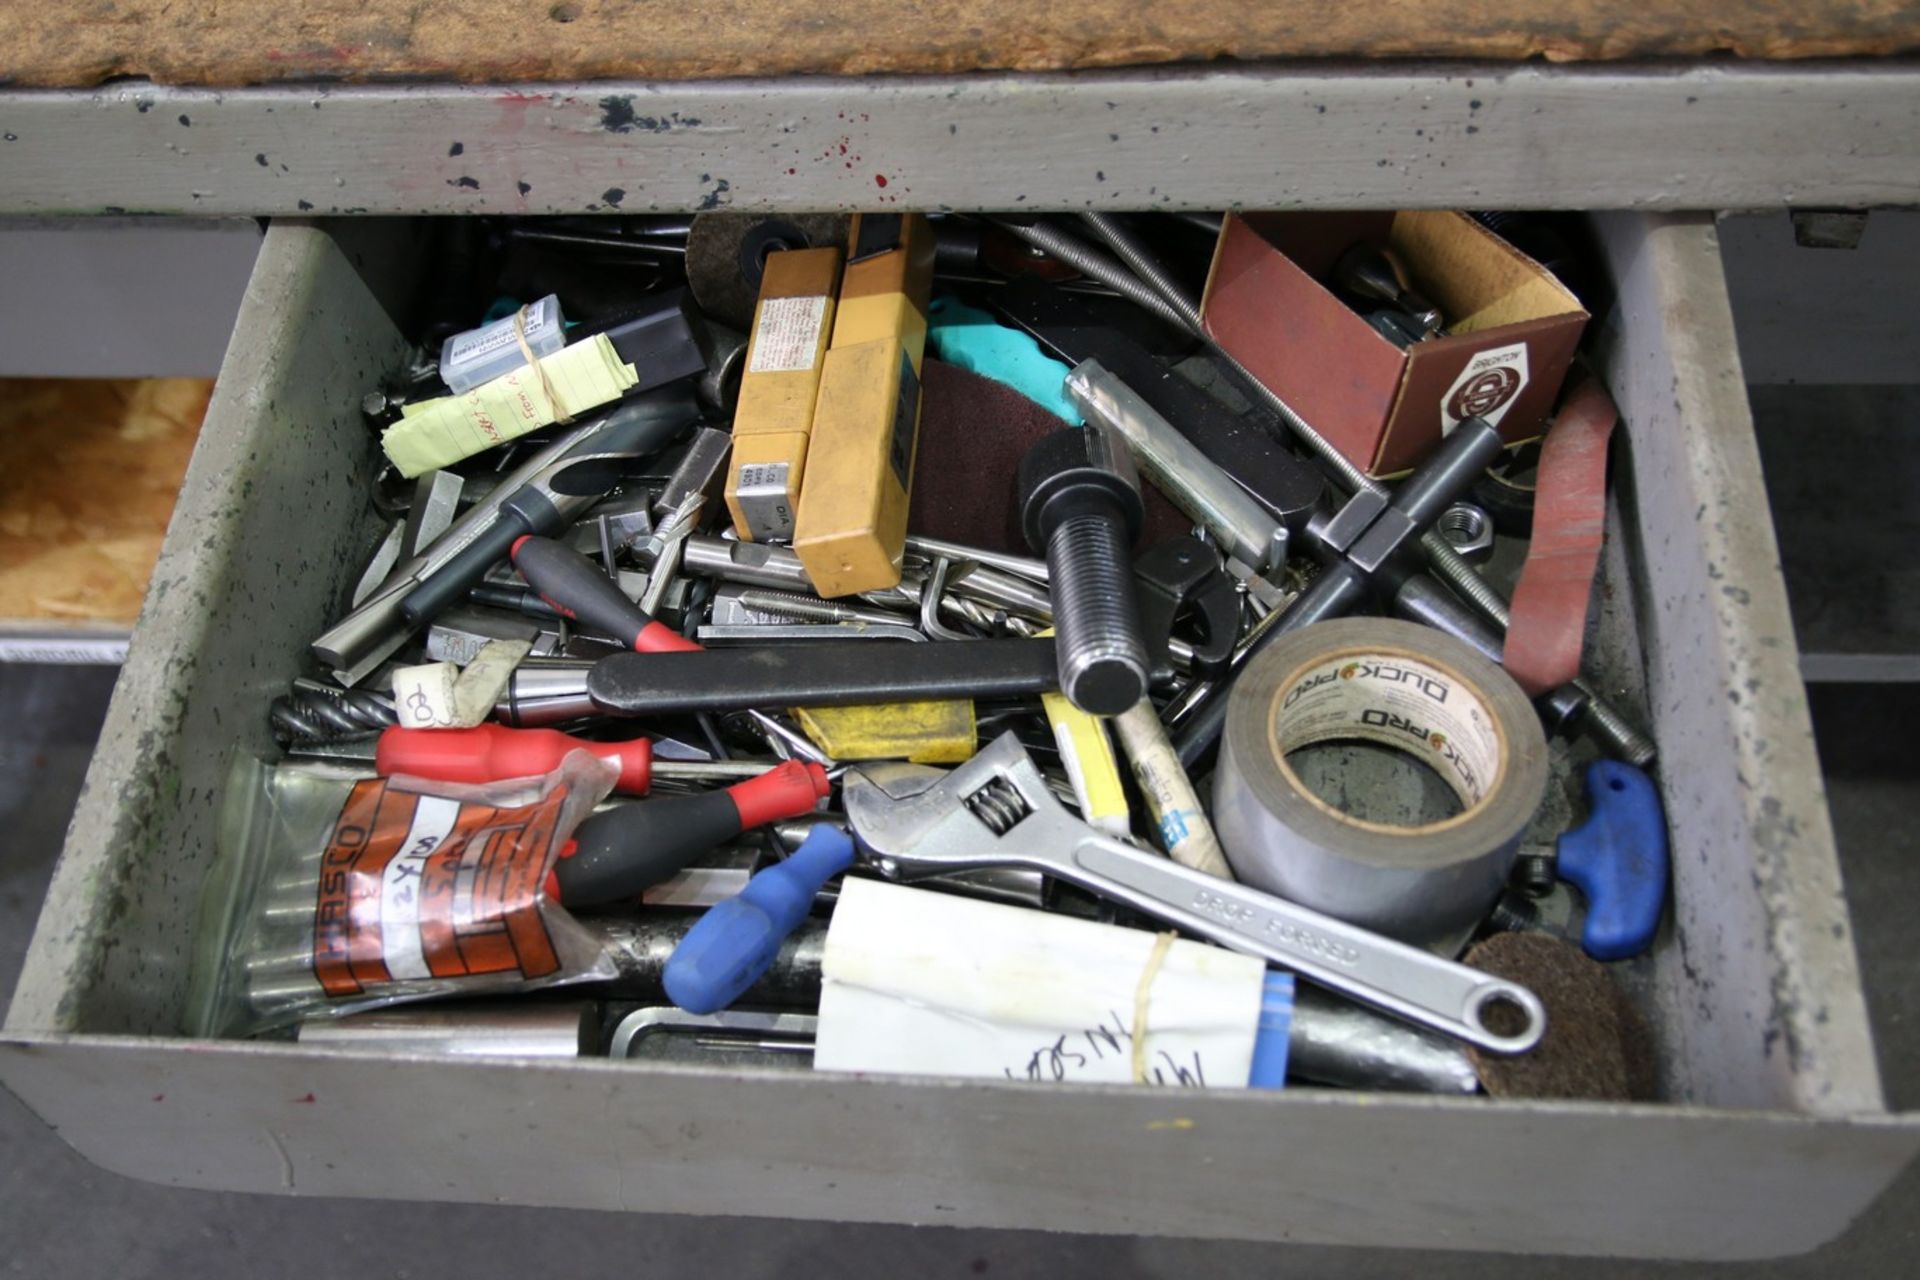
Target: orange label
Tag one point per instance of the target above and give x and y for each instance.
(415, 887)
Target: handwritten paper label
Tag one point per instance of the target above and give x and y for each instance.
(423, 695)
(439, 695)
(786, 335)
(934, 984)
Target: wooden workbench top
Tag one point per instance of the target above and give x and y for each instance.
(238, 42)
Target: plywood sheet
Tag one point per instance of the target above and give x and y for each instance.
(89, 470)
(240, 42)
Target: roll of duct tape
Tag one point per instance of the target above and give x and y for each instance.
(1409, 688)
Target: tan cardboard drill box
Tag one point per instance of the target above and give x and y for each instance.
(792, 325)
(851, 528)
(1511, 330)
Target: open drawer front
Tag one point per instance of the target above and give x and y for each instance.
(1772, 1134)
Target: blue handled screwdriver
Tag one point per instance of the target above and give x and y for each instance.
(728, 948)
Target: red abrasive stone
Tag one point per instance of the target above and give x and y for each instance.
(1548, 619)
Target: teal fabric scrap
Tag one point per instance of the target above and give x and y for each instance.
(968, 337)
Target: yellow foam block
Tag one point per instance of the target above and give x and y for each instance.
(920, 732)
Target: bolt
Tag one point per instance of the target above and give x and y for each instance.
(1080, 506)
(1468, 529)
(1513, 914)
(1535, 874)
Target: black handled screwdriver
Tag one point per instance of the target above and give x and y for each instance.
(569, 582)
(559, 493)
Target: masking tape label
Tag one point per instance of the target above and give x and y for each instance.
(423, 695)
(1399, 702)
(786, 334)
(439, 695)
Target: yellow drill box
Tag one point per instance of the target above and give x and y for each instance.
(792, 324)
(851, 527)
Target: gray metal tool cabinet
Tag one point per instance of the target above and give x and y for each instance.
(1774, 1133)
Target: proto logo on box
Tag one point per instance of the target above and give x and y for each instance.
(1486, 388)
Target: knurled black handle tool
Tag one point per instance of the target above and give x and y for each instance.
(824, 674)
(1080, 506)
(570, 583)
(560, 492)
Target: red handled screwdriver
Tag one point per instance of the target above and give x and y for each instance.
(568, 581)
(617, 855)
(491, 752)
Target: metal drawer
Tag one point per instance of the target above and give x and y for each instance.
(1773, 1137)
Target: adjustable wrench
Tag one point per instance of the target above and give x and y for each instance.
(996, 810)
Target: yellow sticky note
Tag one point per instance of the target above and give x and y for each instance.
(438, 433)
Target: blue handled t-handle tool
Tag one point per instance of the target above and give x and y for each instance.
(728, 948)
(1618, 859)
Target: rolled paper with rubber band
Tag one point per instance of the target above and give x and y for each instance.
(560, 415)
(1402, 686)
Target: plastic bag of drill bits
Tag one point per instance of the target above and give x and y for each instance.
(335, 892)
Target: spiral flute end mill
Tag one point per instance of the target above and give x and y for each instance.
(1080, 507)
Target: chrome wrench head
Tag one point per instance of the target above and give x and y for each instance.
(914, 820)
(996, 810)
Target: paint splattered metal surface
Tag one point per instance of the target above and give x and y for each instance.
(1381, 136)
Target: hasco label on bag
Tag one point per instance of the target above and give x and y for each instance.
(1486, 388)
(419, 887)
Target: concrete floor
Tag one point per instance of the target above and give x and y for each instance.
(60, 1216)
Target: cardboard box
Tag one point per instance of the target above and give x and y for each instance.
(792, 325)
(850, 530)
(1511, 330)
